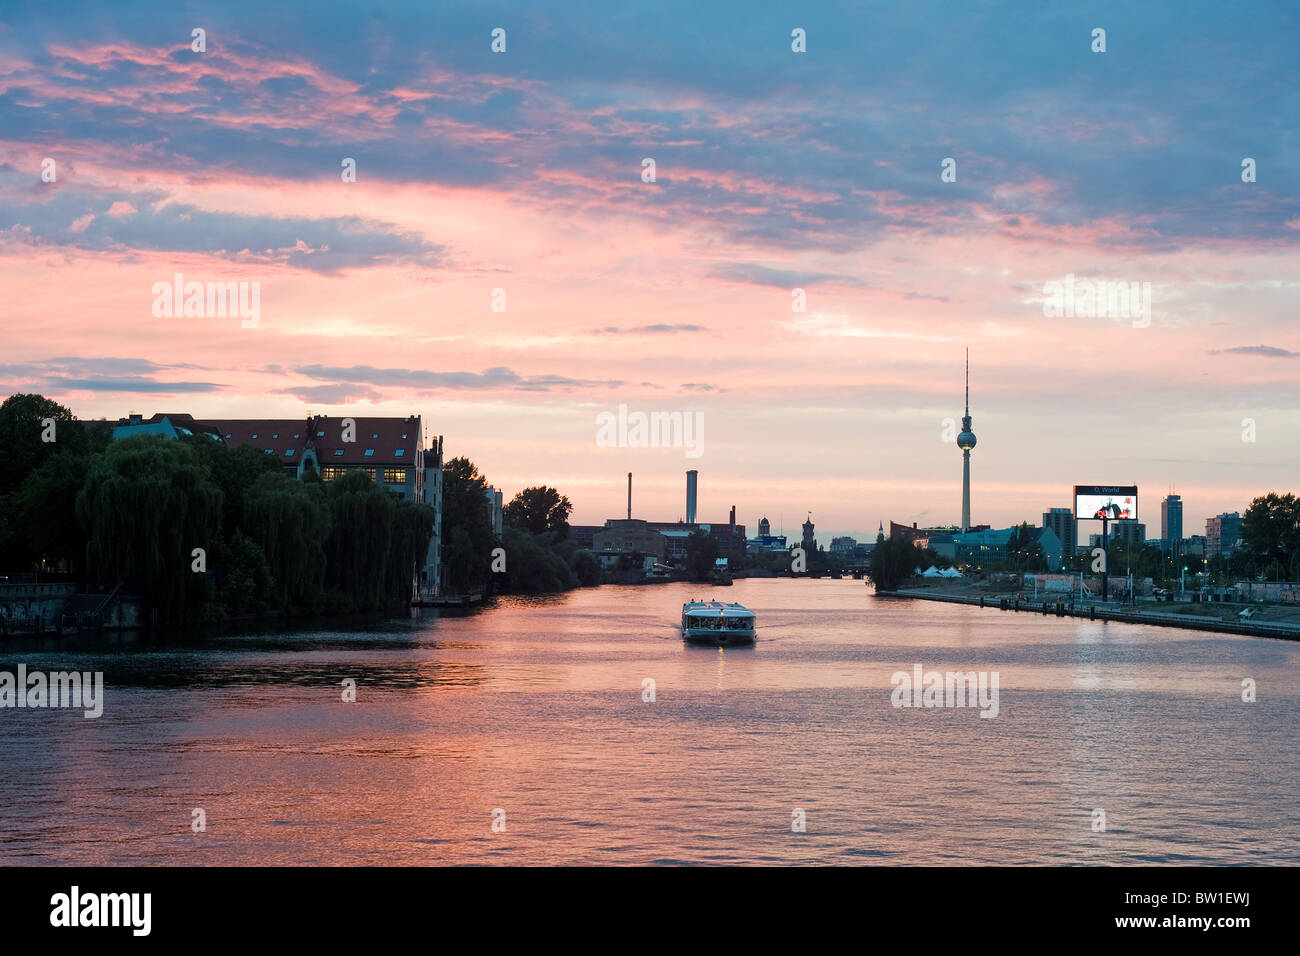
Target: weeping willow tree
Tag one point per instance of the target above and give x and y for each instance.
(147, 503)
(290, 520)
(412, 532)
(357, 553)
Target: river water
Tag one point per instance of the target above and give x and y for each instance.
(536, 708)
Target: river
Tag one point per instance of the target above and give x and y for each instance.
(523, 733)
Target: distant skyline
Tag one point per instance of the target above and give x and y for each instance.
(774, 170)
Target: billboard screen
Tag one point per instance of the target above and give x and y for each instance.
(1105, 501)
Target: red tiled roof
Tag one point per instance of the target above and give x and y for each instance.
(398, 440)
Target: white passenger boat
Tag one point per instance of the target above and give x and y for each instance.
(716, 623)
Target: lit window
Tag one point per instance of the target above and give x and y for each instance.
(395, 476)
(370, 453)
(330, 472)
(370, 472)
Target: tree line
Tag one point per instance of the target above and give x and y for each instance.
(204, 532)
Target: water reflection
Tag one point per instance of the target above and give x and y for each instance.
(535, 706)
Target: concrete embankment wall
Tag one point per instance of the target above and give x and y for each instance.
(1101, 612)
(25, 608)
(21, 605)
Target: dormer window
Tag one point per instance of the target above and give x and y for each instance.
(370, 453)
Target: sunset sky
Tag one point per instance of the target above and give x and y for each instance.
(775, 170)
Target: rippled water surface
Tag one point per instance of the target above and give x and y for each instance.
(535, 707)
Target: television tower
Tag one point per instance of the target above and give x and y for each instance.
(966, 441)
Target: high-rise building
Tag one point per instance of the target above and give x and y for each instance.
(1222, 534)
(1128, 530)
(692, 480)
(966, 441)
(1171, 524)
(1066, 529)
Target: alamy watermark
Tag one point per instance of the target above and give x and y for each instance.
(211, 300)
(651, 430)
(58, 689)
(953, 689)
(1086, 299)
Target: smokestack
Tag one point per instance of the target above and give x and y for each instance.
(733, 517)
(629, 496)
(692, 477)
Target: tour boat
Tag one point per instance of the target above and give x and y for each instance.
(716, 623)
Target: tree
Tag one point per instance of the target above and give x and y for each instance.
(538, 510)
(22, 433)
(412, 531)
(235, 471)
(531, 567)
(893, 561)
(357, 552)
(146, 504)
(1270, 529)
(466, 529)
(701, 552)
(44, 512)
(248, 580)
(290, 521)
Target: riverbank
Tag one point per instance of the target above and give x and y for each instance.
(1197, 617)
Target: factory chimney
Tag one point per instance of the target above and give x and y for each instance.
(692, 478)
(629, 496)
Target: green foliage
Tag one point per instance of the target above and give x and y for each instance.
(361, 530)
(1270, 530)
(146, 503)
(290, 521)
(23, 451)
(539, 510)
(412, 531)
(248, 581)
(585, 567)
(701, 552)
(532, 567)
(893, 561)
(45, 527)
(235, 471)
(466, 528)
